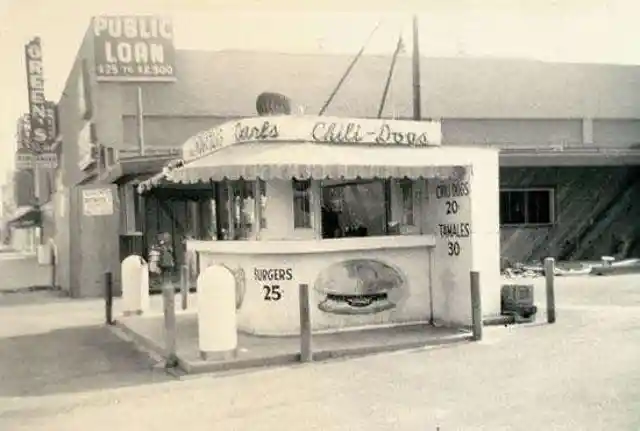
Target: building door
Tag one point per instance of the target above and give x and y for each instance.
(183, 214)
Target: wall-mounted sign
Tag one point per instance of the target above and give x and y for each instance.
(52, 121)
(23, 133)
(26, 160)
(24, 128)
(324, 130)
(97, 202)
(40, 117)
(133, 48)
(27, 156)
(86, 146)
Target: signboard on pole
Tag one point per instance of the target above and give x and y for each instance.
(41, 115)
(133, 48)
(28, 156)
(29, 160)
(97, 202)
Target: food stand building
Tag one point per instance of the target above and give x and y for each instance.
(567, 165)
(413, 218)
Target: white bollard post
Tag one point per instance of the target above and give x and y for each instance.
(135, 297)
(43, 252)
(217, 326)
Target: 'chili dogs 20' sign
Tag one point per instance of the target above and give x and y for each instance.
(323, 130)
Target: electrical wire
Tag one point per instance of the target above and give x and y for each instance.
(348, 71)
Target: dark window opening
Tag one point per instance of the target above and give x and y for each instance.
(526, 207)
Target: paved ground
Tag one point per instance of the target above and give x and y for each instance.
(19, 271)
(55, 346)
(582, 373)
(254, 350)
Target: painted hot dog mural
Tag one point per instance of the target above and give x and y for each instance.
(359, 286)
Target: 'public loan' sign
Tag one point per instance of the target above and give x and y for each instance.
(133, 48)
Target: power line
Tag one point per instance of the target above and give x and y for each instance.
(348, 71)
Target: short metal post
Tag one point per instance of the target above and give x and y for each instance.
(184, 285)
(169, 299)
(108, 298)
(476, 306)
(53, 270)
(306, 351)
(550, 274)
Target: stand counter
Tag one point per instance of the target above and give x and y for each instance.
(353, 282)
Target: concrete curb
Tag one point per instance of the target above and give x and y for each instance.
(616, 270)
(498, 320)
(150, 347)
(154, 352)
(30, 289)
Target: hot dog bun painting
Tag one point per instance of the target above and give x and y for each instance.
(359, 286)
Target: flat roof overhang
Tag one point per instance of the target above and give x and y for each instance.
(569, 157)
(135, 169)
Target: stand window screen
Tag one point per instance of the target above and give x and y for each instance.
(301, 204)
(406, 189)
(243, 210)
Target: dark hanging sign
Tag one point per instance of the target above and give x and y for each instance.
(41, 136)
(52, 120)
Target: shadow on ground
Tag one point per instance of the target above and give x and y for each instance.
(31, 295)
(71, 360)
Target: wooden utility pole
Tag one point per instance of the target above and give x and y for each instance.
(140, 121)
(417, 99)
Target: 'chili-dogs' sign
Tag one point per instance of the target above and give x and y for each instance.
(133, 48)
(321, 130)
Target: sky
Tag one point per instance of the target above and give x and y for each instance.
(565, 31)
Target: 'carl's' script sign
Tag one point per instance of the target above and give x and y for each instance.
(265, 131)
(321, 130)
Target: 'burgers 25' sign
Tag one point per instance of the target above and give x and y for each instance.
(133, 48)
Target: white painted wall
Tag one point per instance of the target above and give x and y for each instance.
(279, 213)
(485, 232)
(478, 251)
(449, 209)
(275, 317)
